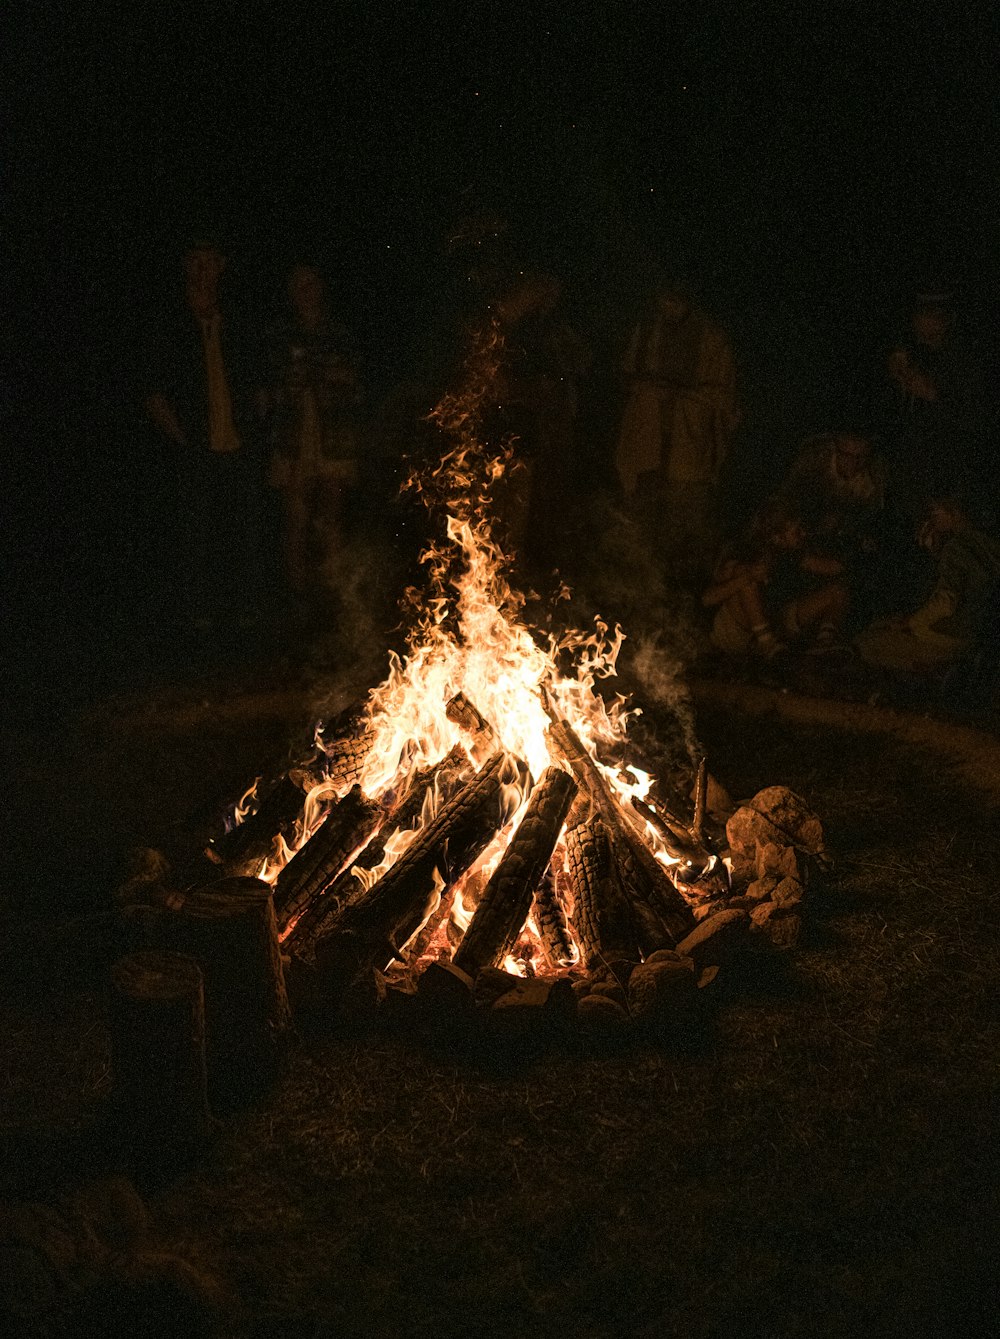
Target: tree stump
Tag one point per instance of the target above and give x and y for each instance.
(229, 927)
(157, 1023)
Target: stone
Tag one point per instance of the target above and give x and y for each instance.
(601, 1014)
(612, 990)
(659, 991)
(788, 893)
(713, 942)
(761, 889)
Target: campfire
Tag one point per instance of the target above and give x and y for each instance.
(482, 827)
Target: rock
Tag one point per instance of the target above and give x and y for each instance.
(713, 942)
(611, 990)
(790, 814)
(619, 970)
(784, 861)
(761, 914)
(664, 955)
(788, 893)
(601, 1014)
(659, 992)
(761, 889)
(491, 983)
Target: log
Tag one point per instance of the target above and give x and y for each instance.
(694, 856)
(506, 901)
(243, 850)
(345, 759)
(229, 927)
(700, 796)
(645, 876)
(466, 715)
(453, 770)
(371, 929)
(157, 1026)
(601, 912)
(550, 917)
(314, 867)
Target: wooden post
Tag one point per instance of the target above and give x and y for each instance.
(157, 1024)
(229, 927)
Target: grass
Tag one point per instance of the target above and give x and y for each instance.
(823, 1165)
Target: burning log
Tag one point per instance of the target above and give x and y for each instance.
(372, 928)
(242, 850)
(643, 874)
(601, 916)
(229, 928)
(345, 759)
(463, 713)
(157, 1024)
(550, 918)
(314, 867)
(452, 770)
(505, 904)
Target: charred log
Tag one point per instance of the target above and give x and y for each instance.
(313, 868)
(453, 770)
(550, 917)
(157, 1025)
(601, 914)
(242, 850)
(372, 928)
(466, 715)
(505, 904)
(229, 928)
(647, 878)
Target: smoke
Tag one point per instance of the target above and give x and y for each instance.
(627, 580)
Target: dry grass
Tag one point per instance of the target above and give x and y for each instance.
(823, 1165)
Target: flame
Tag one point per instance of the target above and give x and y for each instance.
(467, 636)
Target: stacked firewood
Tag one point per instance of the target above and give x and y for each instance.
(606, 936)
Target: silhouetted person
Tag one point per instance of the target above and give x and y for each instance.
(196, 400)
(312, 404)
(680, 414)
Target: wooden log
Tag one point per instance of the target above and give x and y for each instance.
(314, 867)
(467, 716)
(345, 759)
(157, 1026)
(229, 927)
(694, 856)
(371, 929)
(242, 850)
(506, 901)
(647, 877)
(550, 917)
(453, 771)
(602, 916)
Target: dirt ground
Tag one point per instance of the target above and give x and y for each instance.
(822, 1162)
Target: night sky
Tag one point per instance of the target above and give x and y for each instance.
(800, 164)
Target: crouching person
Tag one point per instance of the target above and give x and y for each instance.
(771, 593)
(963, 600)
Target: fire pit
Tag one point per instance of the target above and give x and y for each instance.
(482, 830)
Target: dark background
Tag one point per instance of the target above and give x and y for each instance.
(802, 166)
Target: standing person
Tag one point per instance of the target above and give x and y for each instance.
(196, 401)
(930, 403)
(312, 404)
(680, 414)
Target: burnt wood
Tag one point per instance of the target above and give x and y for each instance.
(157, 1024)
(506, 901)
(314, 867)
(602, 917)
(371, 929)
(646, 877)
(467, 716)
(229, 928)
(550, 917)
(246, 846)
(454, 770)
